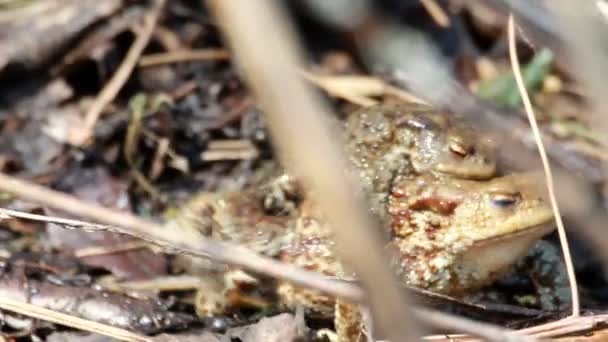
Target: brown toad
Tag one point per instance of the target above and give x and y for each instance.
(448, 235)
(451, 235)
(384, 142)
(387, 140)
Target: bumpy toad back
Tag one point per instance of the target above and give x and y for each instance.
(385, 141)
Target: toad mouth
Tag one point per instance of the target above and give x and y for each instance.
(533, 232)
(489, 258)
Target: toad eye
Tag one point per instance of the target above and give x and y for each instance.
(459, 149)
(504, 199)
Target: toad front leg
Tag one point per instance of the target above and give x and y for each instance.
(311, 247)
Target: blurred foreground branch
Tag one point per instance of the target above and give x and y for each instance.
(264, 44)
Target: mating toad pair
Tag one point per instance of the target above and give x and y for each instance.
(451, 224)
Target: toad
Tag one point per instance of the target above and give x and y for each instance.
(383, 142)
(452, 235)
(402, 149)
(448, 235)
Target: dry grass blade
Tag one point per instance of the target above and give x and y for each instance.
(271, 68)
(547, 168)
(358, 89)
(230, 150)
(69, 320)
(344, 89)
(183, 241)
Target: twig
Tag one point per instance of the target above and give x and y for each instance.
(341, 89)
(230, 149)
(547, 168)
(185, 240)
(183, 56)
(35, 311)
(111, 89)
(436, 12)
(358, 89)
(271, 67)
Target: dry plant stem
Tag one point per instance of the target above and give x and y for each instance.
(351, 97)
(111, 89)
(548, 174)
(436, 12)
(105, 250)
(185, 241)
(183, 56)
(358, 89)
(69, 320)
(297, 121)
(458, 323)
(119, 222)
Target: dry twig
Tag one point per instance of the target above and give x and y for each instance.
(105, 250)
(358, 89)
(184, 241)
(183, 56)
(230, 149)
(436, 12)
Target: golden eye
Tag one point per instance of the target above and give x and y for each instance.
(459, 149)
(504, 199)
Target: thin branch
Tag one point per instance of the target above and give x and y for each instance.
(111, 89)
(183, 56)
(436, 12)
(185, 240)
(297, 121)
(38, 312)
(546, 166)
